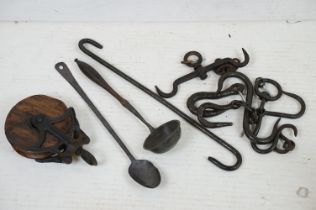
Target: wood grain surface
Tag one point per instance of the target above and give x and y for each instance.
(20, 132)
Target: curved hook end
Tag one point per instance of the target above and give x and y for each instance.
(166, 95)
(246, 58)
(226, 167)
(89, 41)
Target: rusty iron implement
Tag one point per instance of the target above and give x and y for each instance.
(191, 121)
(160, 139)
(142, 171)
(253, 116)
(219, 66)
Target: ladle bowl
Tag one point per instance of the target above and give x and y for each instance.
(164, 137)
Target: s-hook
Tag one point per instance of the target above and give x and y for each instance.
(247, 119)
(219, 66)
(191, 121)
(234, 89)
(211, 109)
(288, 145)
(215, 110)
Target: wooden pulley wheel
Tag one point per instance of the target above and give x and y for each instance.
(43, 128)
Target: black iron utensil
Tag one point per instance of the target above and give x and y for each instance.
(220, 66)
(146, 90)
(160, 139)
(142, 171)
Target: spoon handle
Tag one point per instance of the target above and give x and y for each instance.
(65, 72)
(94, 76)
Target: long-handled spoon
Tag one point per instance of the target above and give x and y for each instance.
(142, 171)
(160, 139)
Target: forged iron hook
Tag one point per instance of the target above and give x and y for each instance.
(265, 96)
(247, 113)
(194, 98)
(191, 121)
(219, 66)
(286, 115)
(288, 145)
(217, 109)
(260, 82)
(273, 146)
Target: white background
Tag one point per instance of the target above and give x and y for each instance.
(147, 40)
(157, 11)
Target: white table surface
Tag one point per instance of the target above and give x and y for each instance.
(151, 53)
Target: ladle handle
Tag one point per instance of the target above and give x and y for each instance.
(65, 72)
(93, 75)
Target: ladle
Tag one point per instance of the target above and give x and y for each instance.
(142, 171)
(160, 139)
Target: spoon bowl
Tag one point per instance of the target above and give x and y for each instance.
(145, 173)
(164, 137)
